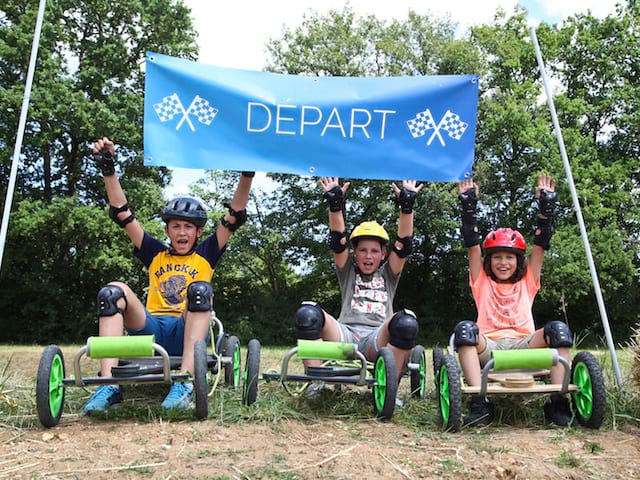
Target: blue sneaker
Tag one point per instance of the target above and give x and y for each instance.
(180, 396)
(104, 397)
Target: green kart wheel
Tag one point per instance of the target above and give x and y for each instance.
(200, 386)
(449, 393)
(232, 369)
(385, 387)
(590, 401)
(50, 387)
(251, 373)
(418, 377)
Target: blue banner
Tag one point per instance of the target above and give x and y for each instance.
(385, 128)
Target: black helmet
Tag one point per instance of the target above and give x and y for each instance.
(185, 208)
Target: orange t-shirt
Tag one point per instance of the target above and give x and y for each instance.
(504, 309)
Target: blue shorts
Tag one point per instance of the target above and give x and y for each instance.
(168, 330)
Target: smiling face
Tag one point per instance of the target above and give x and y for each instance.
(369, 254)
(503, 265)
(182, 235)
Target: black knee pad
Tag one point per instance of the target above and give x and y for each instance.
(466, 334)
(108, 297)
(199, 296)
(557, 334)
(309, 321)
(403, 329)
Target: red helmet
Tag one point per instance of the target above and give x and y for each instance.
(504, 239)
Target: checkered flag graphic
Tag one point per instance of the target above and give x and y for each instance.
(452, 124)
(168, 108)
(203, 111)
(421, 124)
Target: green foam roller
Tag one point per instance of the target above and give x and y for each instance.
(532, 358)
(326, 350)
(120, 347)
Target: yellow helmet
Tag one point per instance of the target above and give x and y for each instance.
(369, 230)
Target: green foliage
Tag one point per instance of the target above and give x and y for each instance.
(61, 248)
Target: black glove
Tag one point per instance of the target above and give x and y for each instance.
(469, 202)
(547, 202)
(335, 199)
(405, 200)
(106, 162)
(248, 174)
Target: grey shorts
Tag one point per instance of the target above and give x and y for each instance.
(502, 344)
(364, 336)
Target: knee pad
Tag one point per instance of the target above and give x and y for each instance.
(199, 296)
(403, 329)
(557, 334)
(108, 297)
(309, 321)
(466, 334)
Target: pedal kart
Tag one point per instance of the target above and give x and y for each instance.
(344, 364)
(143, 361)
(521, 372)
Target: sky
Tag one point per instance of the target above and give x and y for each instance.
(233, 34)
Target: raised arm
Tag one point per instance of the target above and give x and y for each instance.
(468, 195)
(119, 210)
(334, 194)
(403, 245)
(237, 214)
(547, 199)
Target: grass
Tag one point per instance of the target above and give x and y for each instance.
(18, 367)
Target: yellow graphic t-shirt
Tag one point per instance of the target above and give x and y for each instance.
(171, 274)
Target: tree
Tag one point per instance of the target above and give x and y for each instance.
(88, 83)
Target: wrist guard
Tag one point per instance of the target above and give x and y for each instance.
(335, 199)
(335, 242)
(407, 247)
(106, 162)
(547, 202)
(405, 200)
(248, 174)
(543, 233)
(239, 215)
(469, 202)
(113, 215)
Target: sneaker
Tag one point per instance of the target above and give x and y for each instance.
(399, 403)
(557, 410)
(104, 397)
(480, 412)
(180, 396)
(314, 391)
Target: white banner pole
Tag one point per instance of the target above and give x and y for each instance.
(21, 125)
(576, 205)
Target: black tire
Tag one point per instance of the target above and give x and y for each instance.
(437, 356)
(449, 394)
(201, 389)
(590, 401)
(419, 377)
(385, 388)
(232, 369)
(251, 373)
(50, 389)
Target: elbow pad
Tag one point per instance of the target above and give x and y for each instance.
(407, 247)
(113, 215)
(335, 241)
(239, 215)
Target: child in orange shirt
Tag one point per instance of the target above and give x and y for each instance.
(504, 284)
